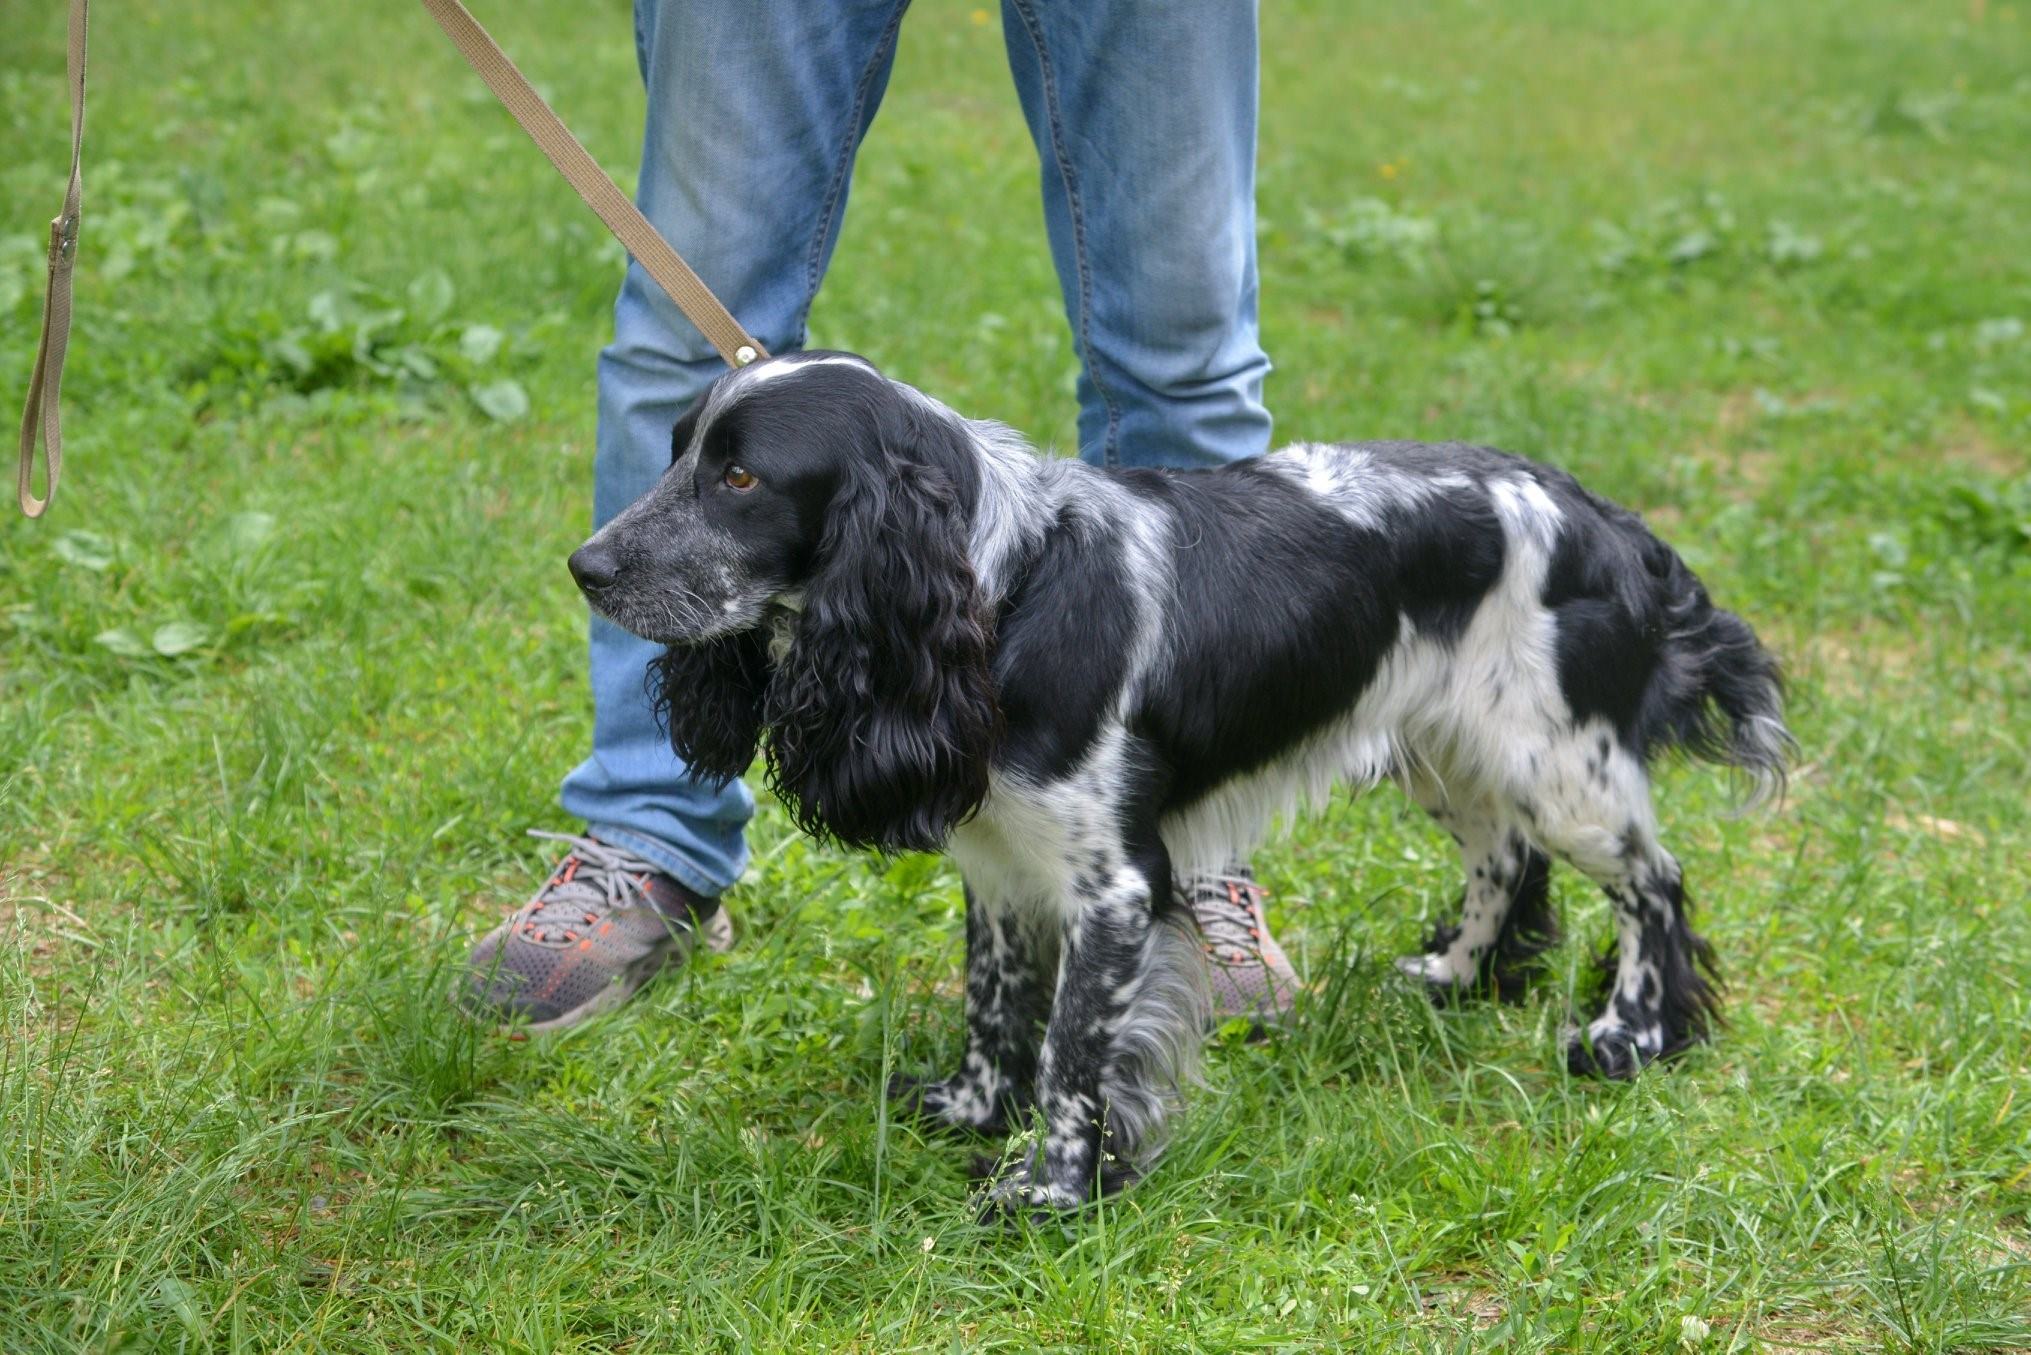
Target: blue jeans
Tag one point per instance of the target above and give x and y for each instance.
(1143, 112)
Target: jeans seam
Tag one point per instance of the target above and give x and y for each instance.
(1110, 445)
(828, 221)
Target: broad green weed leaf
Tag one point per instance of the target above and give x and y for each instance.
(1691, 247)
(182, 1301)
(502, 401)
(315, 245)
(371, 325)
(479, 343)
(246, 531)
(1988, 333)
(123, 642)
(416, 362)
(351, 145)
(326, 312)
(86, 550)
(1788, 246)
(277, 212)
(178, 637)
(247, 621)
(288, 351)
(431, 295)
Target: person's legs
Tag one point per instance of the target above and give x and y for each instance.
(754, 114)
(1144, 119)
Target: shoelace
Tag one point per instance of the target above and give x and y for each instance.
(595, 879)
(1233, 924)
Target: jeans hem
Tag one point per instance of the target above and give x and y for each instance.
(659, 854)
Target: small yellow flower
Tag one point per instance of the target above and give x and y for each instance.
(1388, 169)
(979, 18)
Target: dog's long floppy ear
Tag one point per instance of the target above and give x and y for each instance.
(882, 715)
(708, 697)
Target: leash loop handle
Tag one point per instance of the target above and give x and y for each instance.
(583, 173)
(41, 415)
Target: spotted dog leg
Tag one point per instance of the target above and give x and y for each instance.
(1125, 1027)
(1506, 918)
(1007, 998)
(1592, 808)
(1659, 998)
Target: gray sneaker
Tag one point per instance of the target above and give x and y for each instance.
(1249, 973)
(604, 924)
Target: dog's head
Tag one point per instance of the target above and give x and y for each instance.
(805, 560)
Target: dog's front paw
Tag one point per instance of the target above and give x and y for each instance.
(955, 1103)
(1016, 1191)
(1610, 1050)
(1443, 984)
(1017, 1195)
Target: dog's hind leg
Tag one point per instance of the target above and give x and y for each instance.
(1660, 999)
(1506, 918)
(1010, 953)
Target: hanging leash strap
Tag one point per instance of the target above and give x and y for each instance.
(583, 173)
(41, 418)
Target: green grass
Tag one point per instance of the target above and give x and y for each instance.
(295, 660)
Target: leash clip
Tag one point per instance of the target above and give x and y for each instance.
(63, 238)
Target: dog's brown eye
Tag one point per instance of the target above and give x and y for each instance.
(739, 477)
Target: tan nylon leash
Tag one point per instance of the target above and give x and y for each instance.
(583, 173)
(41, 417)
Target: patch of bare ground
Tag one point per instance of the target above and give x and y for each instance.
(1969, 445)
(1462, 1295)
(1794, 1339)
(1743, 469)
(2010, 1249)
(1797, 1328)
(37, 914)
(1748, 470)
(1852, 661)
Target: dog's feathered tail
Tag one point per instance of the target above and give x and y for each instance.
(1717, 692)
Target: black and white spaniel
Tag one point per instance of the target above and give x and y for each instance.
(1084, 684)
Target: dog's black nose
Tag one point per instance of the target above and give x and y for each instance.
(593, 566)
